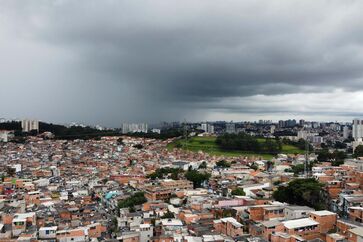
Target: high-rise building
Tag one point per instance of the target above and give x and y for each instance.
(230, 128)
(29, 125)
(357, 129)
(281, 124)
(208, 128)
(134, 128)
(302, 134)
(204, 127)
(345, 132)
(272, 129)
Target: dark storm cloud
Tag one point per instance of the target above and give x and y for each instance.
(149, 60)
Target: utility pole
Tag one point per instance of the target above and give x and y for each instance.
(307, 159)
(185, 135)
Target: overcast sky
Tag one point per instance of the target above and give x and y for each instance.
(107, 62)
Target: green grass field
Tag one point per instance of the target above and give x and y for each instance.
(208, 145)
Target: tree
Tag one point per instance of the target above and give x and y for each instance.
(203, 165)
(162, 172)
(238, 192)
(168, 214)
(336, 158)
(114, 225)
(358, 152)
(197, 177)
(139, 146)
(254, 166)
(136, 199)
(269, 165)
(339, 157)
(223, 164)
(297, 169)
(324, 155)
(247, 142)
(120, 141)
(304, 192)
(340, 145)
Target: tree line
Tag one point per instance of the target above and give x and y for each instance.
(246, 142)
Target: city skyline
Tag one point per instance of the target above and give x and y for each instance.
(154, 60)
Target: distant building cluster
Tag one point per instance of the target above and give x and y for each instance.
(208, 128)
(230, 128)
(134, 128)
(29, 125)
(136, 189)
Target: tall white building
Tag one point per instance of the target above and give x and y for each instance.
(6, 135)
(134, 128)
(345, 132)
(272, 129)
(302, 134)
(204, 127)
(230, 128)
(208, 128)
(357, 129)
(29, 125)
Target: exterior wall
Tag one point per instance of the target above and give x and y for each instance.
(277, 238)
(352, 237)
(271, 214)
(327, 222)
(95, 231)
(295, 214)
(256, 213)
(146, 234)
(356, 215)
(228, 228)
(18, 228)
(307, 234)
(7, 218)
(51, 234)
(159, 239)
(72, 239)
(267, 232)
(343, 227)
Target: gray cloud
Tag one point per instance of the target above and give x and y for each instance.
(112, 61)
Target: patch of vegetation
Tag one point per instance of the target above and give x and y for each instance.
(136, 199)
(75, 132)
(300, 144)
(358, 152)
(238, 192)
(197, 177)
(336, 158)
(304, 192)
(168, 214)
(246, 142)
(162, 172)
(12, 125)
(223, 164)
(208, 145)
(203, 165)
